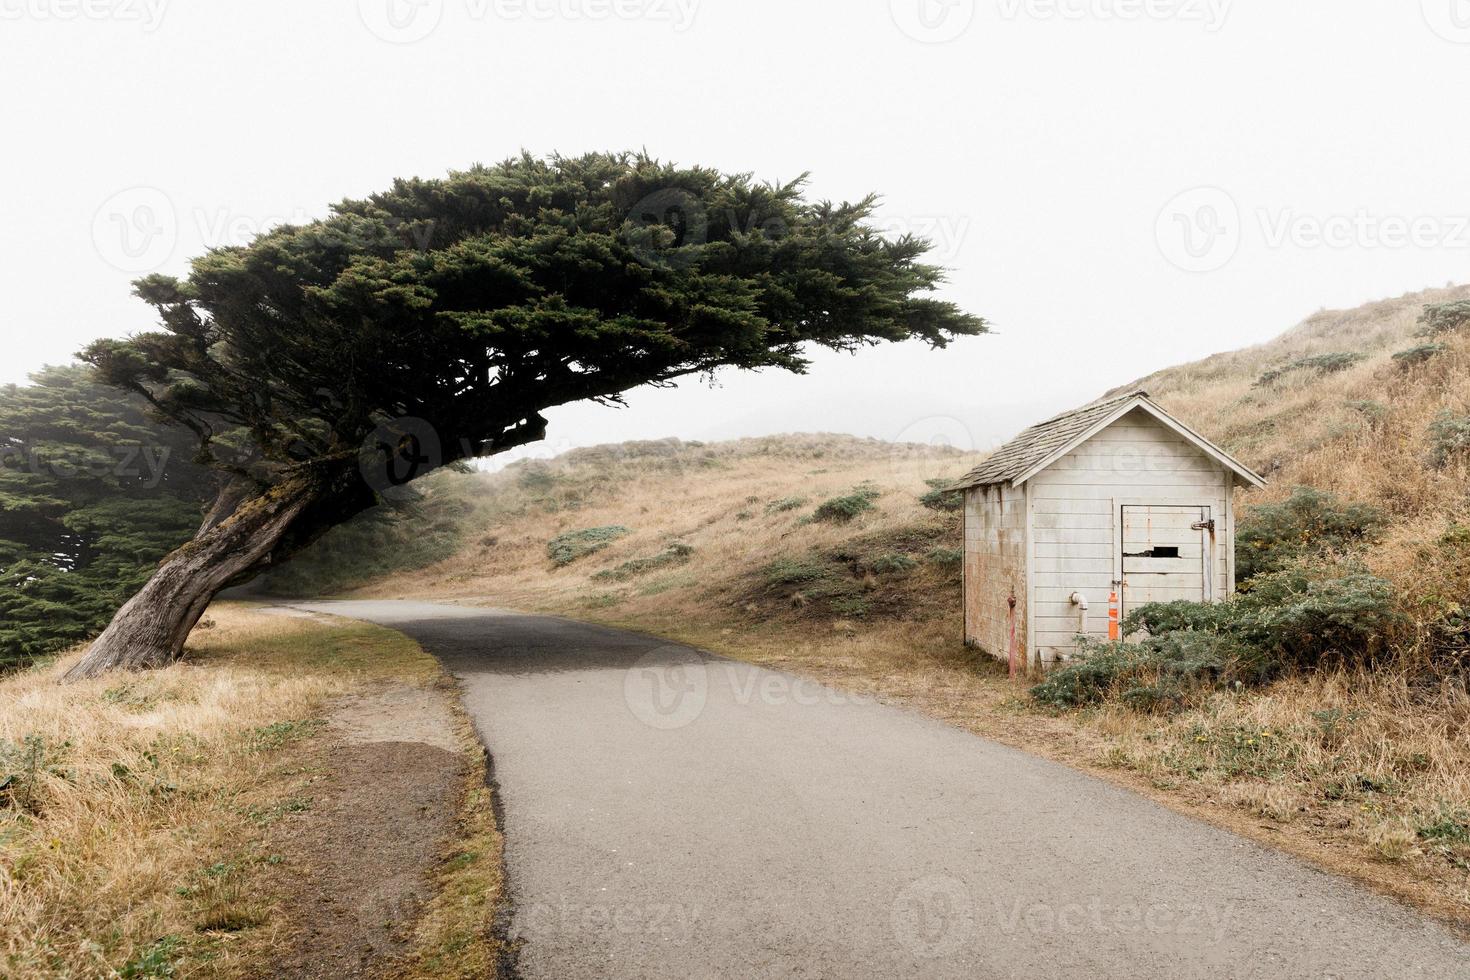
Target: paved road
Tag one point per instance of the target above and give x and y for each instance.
(669, 814)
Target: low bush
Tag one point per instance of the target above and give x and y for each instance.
(942, 499)
(785, 504)
(1310, 523)
(1321, 363)
(675, 554)
(567, 548)
(795, 571)
(1286, 621)
(892, 564)
(945, 556)
(1449, 438)
(1418, 354)
(1442, 318)
(843, 509)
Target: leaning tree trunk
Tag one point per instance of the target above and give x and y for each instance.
(236, 539)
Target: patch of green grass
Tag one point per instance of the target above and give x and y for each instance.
(158, 960)
(1442, 318)
(938, 498)
(265, 816)
(892, 564)
(1449, 826)
(269, 738)
(567, 548)
(945, 556)
(1449, 438)
(675, 554)
(842, 509)
(796, 571)
(1321, 363)
(1418, 354)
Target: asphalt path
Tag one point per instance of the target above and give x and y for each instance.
(672, 814)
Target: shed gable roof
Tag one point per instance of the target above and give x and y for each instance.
(1044, 443)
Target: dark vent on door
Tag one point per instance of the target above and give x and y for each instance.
(1171, 552)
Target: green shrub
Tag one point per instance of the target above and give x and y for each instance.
(945, 556)
(1418, 354)
(1321, 363)
(892, 564)
(1449, 438)
(1311, 522)
(941, 499)
(795, 571)
(785, 504)
(1442, 318)
(1286, 621)
(567, 548)
(675, 554)
(843, 509)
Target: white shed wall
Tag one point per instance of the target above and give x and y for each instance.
(1074, 540)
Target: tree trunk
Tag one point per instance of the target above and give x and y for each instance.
(150, 629)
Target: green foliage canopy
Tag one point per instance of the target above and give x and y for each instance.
(92, 494)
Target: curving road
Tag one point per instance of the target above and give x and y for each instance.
(672, 814)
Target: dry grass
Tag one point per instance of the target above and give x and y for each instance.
(136, 836)
(455, 936)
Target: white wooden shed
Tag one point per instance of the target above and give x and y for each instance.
(1114, 496)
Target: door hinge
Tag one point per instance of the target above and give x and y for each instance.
(1203, 526)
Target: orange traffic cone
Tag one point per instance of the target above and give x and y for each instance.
(1115, 631)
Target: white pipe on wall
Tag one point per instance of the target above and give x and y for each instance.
(1080, 601)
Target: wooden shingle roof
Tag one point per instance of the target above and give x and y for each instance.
(1043, 443)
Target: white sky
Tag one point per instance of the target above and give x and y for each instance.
(1044, 145)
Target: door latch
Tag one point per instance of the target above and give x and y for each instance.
(1203, 526)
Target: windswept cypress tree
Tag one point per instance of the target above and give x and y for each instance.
(438, 320)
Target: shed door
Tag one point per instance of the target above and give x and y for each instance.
(1165, 554)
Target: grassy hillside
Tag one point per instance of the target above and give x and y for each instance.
(1363, 432)
(831, 556)
(778, 532)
